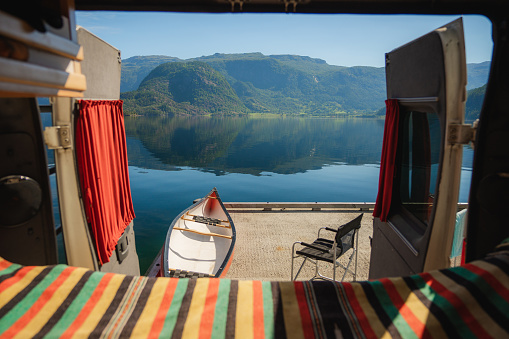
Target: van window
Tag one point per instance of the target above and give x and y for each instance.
(420, 156)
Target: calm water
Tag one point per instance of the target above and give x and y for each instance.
(173, 161)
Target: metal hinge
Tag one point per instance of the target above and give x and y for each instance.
(57, 137)
(235, 2)
(461, 134)
(293, 3)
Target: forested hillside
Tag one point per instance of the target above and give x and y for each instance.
(473, 106)
(255, 83)
(183, 88)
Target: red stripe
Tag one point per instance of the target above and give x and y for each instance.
(207, 318)
(497, 286)
(158, 324)
(358, 311)
(258, 317)
(415, 324)
(89, 306)
(16, 278)
(307, 323)
(458, 305)
(39, 304)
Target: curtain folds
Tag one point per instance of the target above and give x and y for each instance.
(387, 162)
(102, 163)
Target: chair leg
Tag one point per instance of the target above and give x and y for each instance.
(356, 254)
(348, 265)
(334, 271)
(300, 268)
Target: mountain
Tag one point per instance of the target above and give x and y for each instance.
(282, 84)
(183, 88)
(136, 68)
(473, 106)
(477, 74)
(295, 84)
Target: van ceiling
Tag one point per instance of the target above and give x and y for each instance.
(487, 7)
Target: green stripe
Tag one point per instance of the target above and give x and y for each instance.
(10, 269)
(221, 310)
(447, 308)
(24, 305)
(392, 312)
(76, 306)
(173, 312)
(489, 292)
(268, 309)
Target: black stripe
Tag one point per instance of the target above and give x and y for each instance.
(353, 318)
(379, 309)
(316, 317)
(484, 300)
(138, 309)
(331, 309)
(184, 309)
(279, 320)
(9, 275)
(23, 293)
(439, 314)
(231, 314)
(502, 264)
(110, 312)
(63, 307)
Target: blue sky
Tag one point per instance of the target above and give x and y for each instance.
(345, 40)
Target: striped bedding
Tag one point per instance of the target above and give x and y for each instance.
(63, 301)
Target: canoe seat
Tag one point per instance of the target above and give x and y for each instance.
(188, 274)
(206, 220)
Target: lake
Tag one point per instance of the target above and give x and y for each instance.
(173, 161)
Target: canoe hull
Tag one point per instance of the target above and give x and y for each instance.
(200, 240)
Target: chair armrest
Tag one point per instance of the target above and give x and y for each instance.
(327, 229)
(313, 247)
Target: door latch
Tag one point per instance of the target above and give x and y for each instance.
(460, 134)
(57, 137)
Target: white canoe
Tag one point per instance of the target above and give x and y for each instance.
(200, 240)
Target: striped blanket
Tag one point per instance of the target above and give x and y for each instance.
(62, 301)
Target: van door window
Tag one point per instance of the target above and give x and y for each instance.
(420, 156)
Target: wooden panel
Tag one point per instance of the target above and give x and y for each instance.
(33, 63)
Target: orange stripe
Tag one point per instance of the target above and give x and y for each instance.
(404, 310)
(4, 263)
(258, 316)
(20, 275)
(39, 304)
(89, 306)
(207, 319)
(157, 325)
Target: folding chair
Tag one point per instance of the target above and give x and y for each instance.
(330, 250)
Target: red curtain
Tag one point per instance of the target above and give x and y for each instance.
(387, 163)
(102, 163)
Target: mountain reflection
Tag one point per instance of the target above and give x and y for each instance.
(283, 145)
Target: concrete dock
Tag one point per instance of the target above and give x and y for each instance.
(265, 237)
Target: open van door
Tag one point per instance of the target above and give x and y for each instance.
(426, 91)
